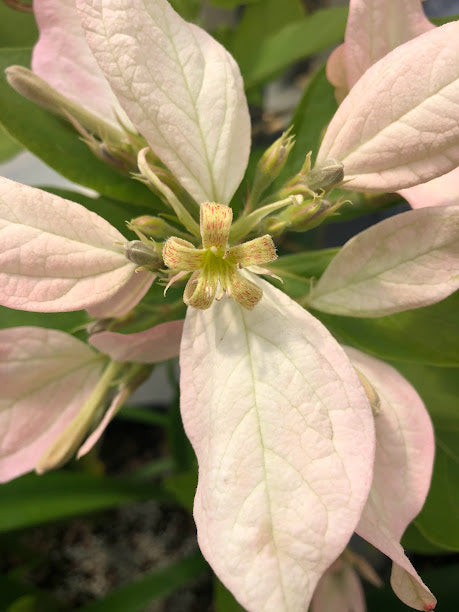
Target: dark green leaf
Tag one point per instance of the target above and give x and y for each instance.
(65, 321)
(438, 521)
(17, 29)
(37, 602)
(414, 541)
(58, 145)
(18, 597)
(224, 600)
(188, 9)
(441, 20)
(229, 4)
(152, 587)
(31, 499)
(296, 41)
(427, 335)
(183, 487)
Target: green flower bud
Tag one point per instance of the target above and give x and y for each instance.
(142, 254)
(155, 227)
(325, 176)
(35, 89)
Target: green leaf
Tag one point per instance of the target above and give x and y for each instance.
(312, 115)
(37, 602)
(438, 521)
(414, 541)
(224, 600)
(295, 42)
(188, 9)
(297, 270)
(18, 597)
(8, 146)
(230, 4)
(259, 21)
(56, 143)
(17, 29)
(439, 389)
(65, 321)
(183, 487)
(151, 587)
(427, 335)
(446, 19)
(32, 500)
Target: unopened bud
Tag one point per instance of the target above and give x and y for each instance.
(155, 227)
(35, 89)
(273, 159)
(302, 218)
(325, 176)
(142, 254)
(272, 162)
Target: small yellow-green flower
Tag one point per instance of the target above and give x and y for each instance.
(215, 267)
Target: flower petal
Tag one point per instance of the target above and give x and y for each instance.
(63, 59)
(215, 223)
(150, 346)
(45, 376)
(398, 126)
(403, 469)
(200, 289)
(55, 255)
(179, 254)
(181, 89)
(243, 290)
(254, 252)
(407, 261)
(283, 433)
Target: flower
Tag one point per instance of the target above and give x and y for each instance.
(276, 410)
(216, 264)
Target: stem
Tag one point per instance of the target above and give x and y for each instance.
(246, 223)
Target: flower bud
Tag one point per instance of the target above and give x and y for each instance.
(325, 176)
(35, 89)
(142, 254)
(155, 227)
(273, 159)
(271, 163)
